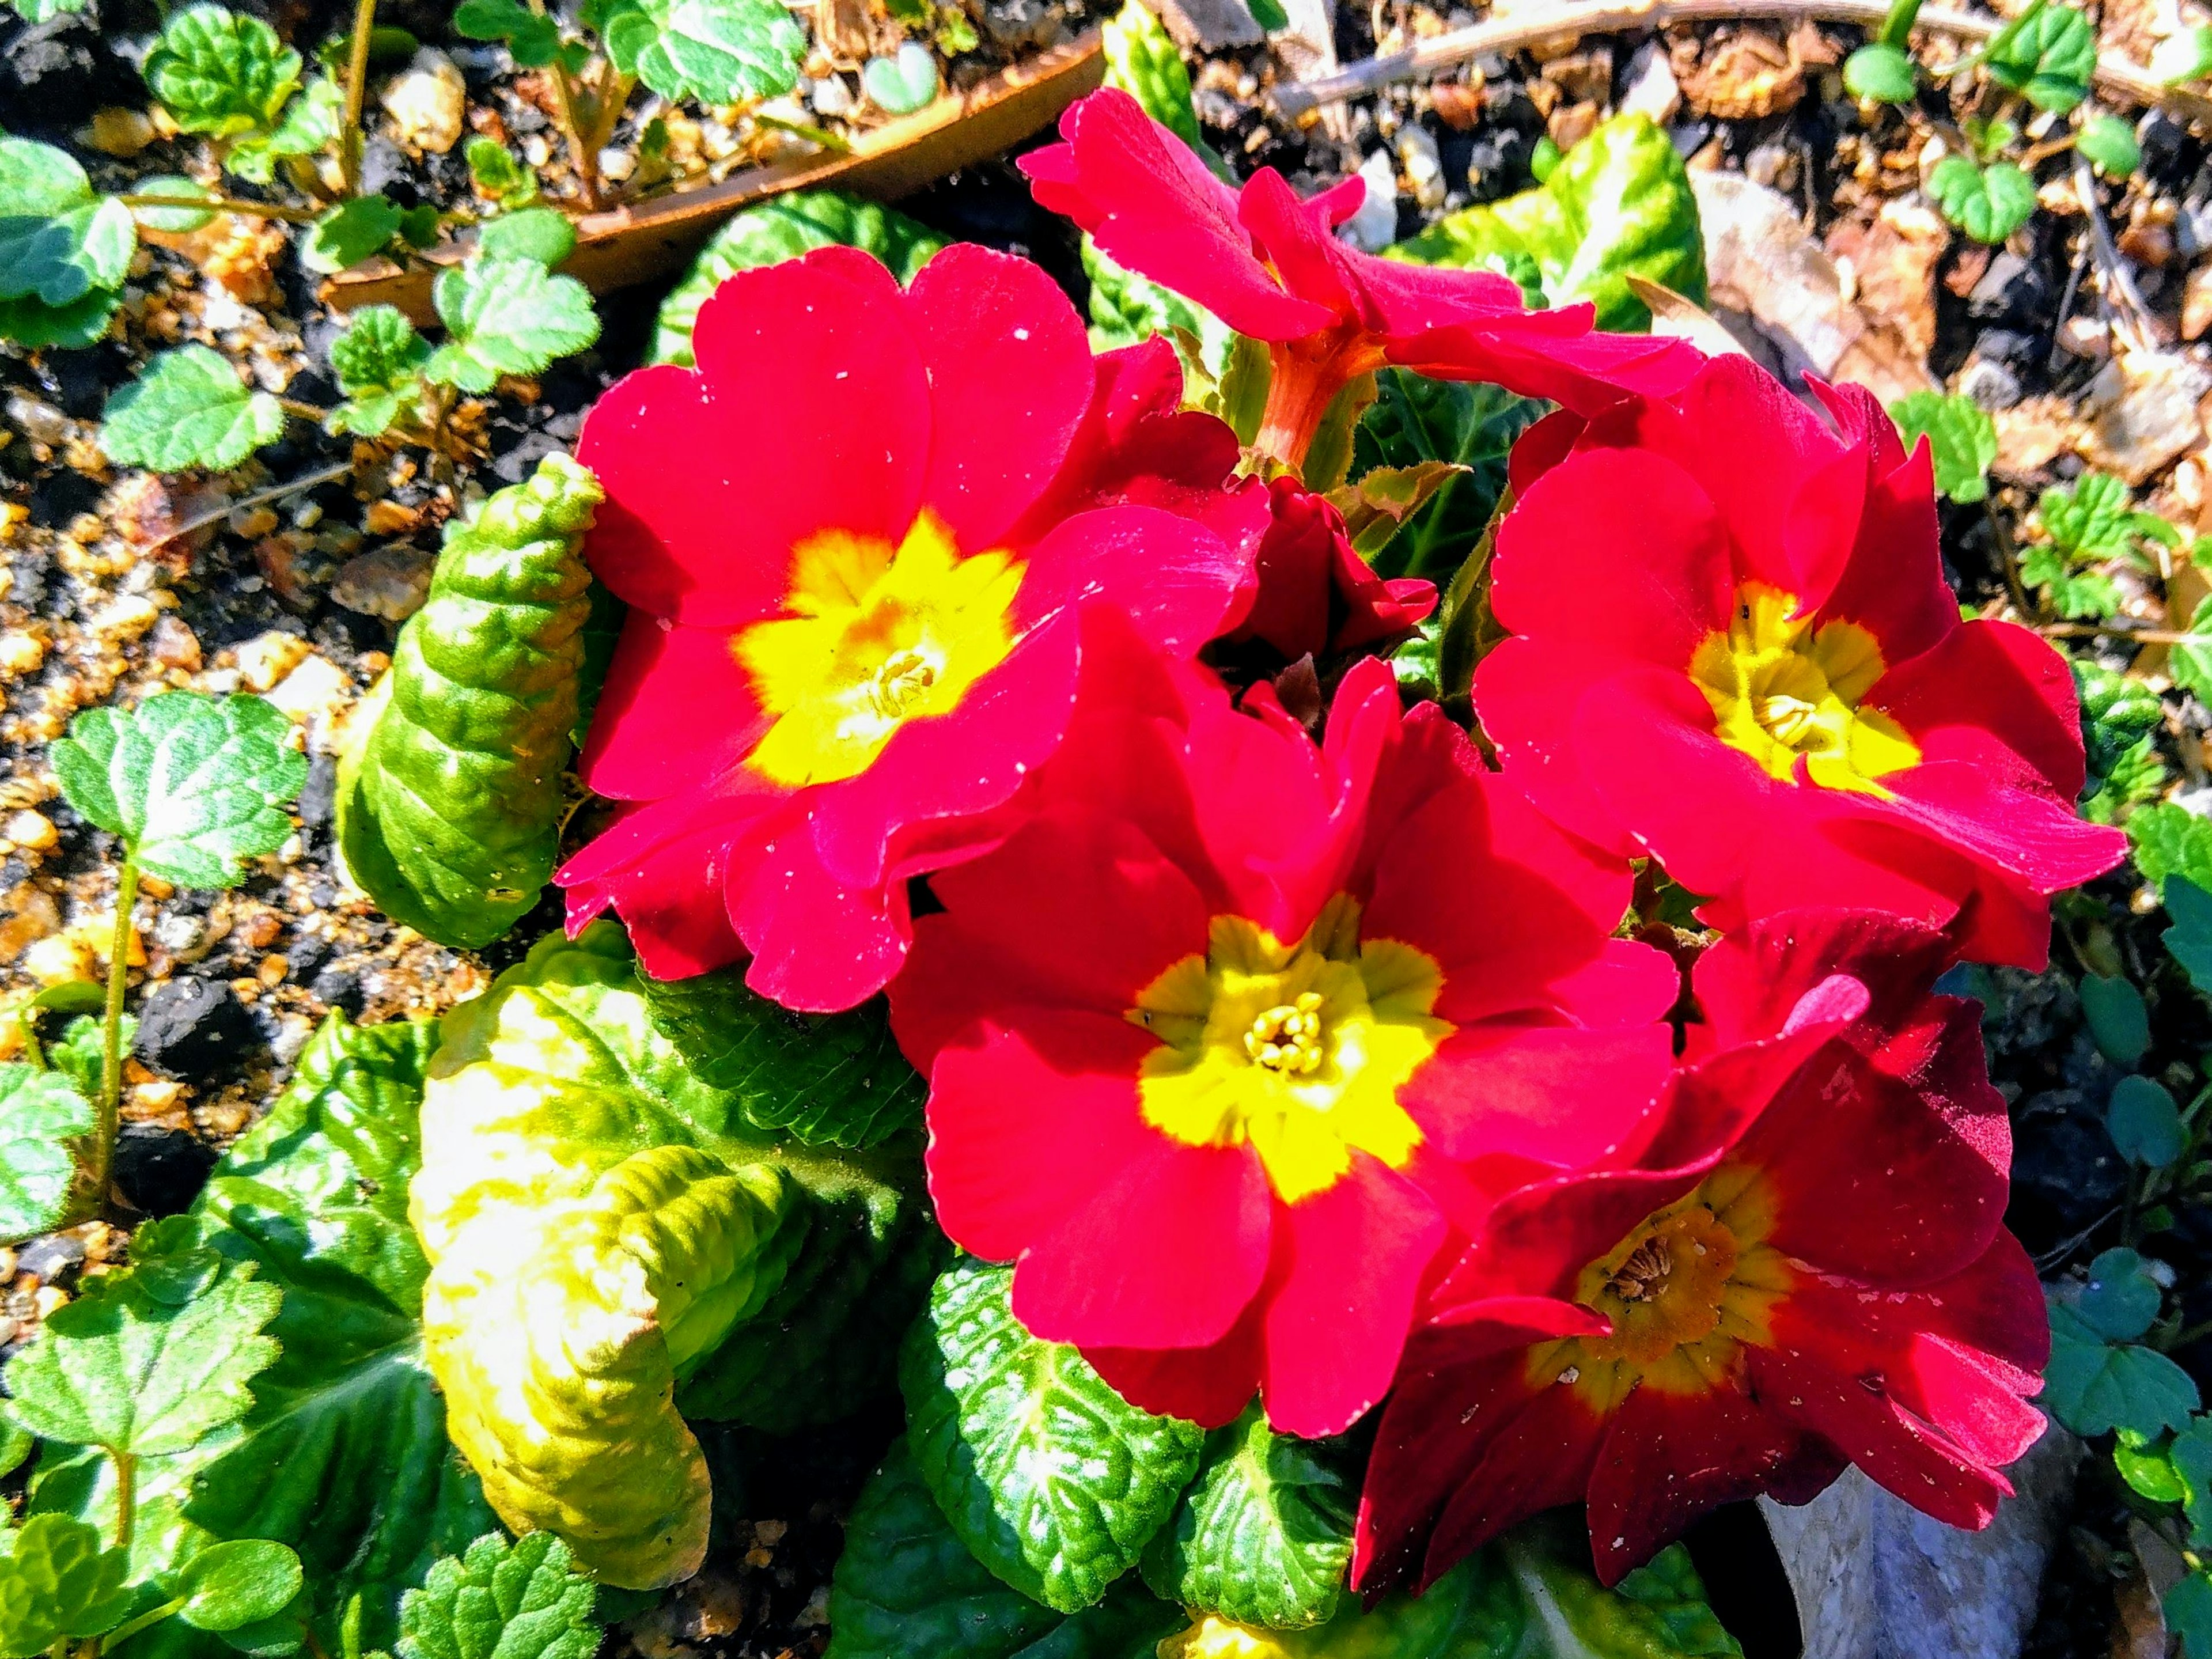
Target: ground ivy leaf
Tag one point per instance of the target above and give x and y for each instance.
(189, 410)
(2116, 1017)
(541, 233)
(1988, 203)
(520, 1600)
(309, 126)
(531, 40)
(195, 785)
(57, 1579)
(2166, 841)
(718, 51)
(40, 1114)
(222, 72)
(237, 1583)
(351, 232)
(2144, 1122)
(379, 352)
(2048, 54)
(907, 1585)
(2188, 1610)
(505, 315)
(1961, 437)
(1264, 1533)
(1052, 1479)
(59, 241)
(2121, 1300)
(2110, 144)
(2095, 1386)
(133, 1375)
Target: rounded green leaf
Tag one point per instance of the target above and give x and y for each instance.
(718, 51)
(41, 1113)
(81, 323)
(222, 72)
(541, 233)
(785, 228)
(1988, 203)
(2095, 1386)
(506, 315)
(2110, 144)
(902, 82)
(350, 233)
(2145, 1123)
(1051, 1478)
(1881, 74)
(175, 220)
(59, 241)
(450, 799)
(189, 410)
(2048, 54)
(2118, 1018)
(229, 1585)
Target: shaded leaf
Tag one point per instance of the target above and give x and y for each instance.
(2144, 1122)
(1414, 419)
(57, 1579)
(2093, 1387)
(59, 241)
(2190, 939)
(41, 1113)
(2117, 1020)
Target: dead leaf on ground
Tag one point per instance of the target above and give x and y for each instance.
(1740, 73)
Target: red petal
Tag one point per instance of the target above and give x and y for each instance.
(1554, 355)
(1010, 377)
(648, 738)
(1175, 578)
(1549, 1094)
(2037, 837)
(1995, 696)
(810, 409)
(1526, 693)
(820, 943)
(1209, 1386)
(1541, 1459)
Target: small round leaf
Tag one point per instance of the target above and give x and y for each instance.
(1881, 74)
(229, 1585)
(2145, 1123)
(2110, 144)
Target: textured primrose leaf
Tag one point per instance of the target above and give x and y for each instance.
(40, 1114)
(222, 72)
(1618, 202)
(1881, 73)
(506, 315)
(599, 1221)
(239, 1582)
(57, 1579)
(449, 801)
(125, 1371)
(772, 232)
(522, 1599)
(1962, 440)
(195, 785)
(718, 51)
(308, 126)
(59, 241)
(1988, 203)
(1414, 421)
(1143, 60)
(1053, 1480)
(2048, 54)
(189, 409)
(906, 1586)
(1263, 1536)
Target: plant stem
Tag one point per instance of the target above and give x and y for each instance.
(349, 138)
(126, 1495)
(2009, 559)
(111, 1071)
(130, 1627)
(221, 204)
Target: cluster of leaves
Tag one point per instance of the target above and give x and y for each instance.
(2080, 527)
(2040, 66)
(504, 312)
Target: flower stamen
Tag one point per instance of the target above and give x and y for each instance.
(1287, 1036)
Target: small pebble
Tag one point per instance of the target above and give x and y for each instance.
(31, 832)
(268, 657)
(428, 103)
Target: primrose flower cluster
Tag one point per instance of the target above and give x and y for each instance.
(1339, 1057)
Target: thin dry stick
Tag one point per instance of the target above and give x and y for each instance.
(2132, 635)
(1572, 20)
(356, 87)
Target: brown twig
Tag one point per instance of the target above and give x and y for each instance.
(1579, 18)
(2119, 284)
(356, 88)
(2113, 631)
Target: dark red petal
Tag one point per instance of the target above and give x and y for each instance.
(810, 409)
(1027, 1122)
(661, 867)
(676, 711)
(1749, 981)
(1010, 378)
(1542, 1458)
(1342, 1301)
(1540, 1238)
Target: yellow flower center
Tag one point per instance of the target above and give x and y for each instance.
(1299, 1049)
(874, 637)
(1780, 688)
(1683, 1291)
(1212, 1636)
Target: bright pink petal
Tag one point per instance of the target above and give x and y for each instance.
(820, 943)
(647, 739)
(1995, 696)
(1527, 692)
(1295, 240)
(2034, 836)
(1175, 578)
(810, 409)
(1009, 378)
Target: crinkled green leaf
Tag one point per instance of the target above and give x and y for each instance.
(718, 51)
(1532, 1596)
(2118, 1018)
(59, 241)
(2048, 54)
(2167, 841)
(1883, 73)
(1052, 1479)
(505, 315)
(532, 39)
(1988, 203)
(1961, 437)
(2095, 517)
(784, 228)
(1264, 1533)
(2093, 1387)
(522, 1599)
(178, 221)
(122, 1369)
(2144, 1122)
(41, 1113)
(449, 801)
(237, 1583)
(1414, 420)
(598, 1220)
(827, 1080)
(2110, 144)
(379, 352)
(1143, 60)
(2121, 719)
(541, 233)
(308, 126)
(906, 1586)
(1618, 202)
(57, 1579)
(351, 232)
(222, 72)
(16, 1444)
(2190, 939)
(196, 786)
(189, 409)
